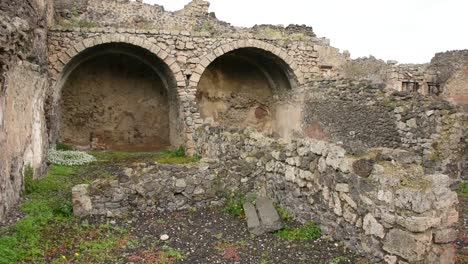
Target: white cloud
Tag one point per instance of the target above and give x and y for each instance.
(403, 30)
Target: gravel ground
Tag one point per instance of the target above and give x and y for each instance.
(212, 236)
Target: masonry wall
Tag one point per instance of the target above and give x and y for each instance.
(362, 115)
(456, 89)
(23, 82)
(381, 203)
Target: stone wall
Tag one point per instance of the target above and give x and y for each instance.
(115, 102)
(23, 83)
(380, 203)
(427, 79)
(187, 54)
(447, 63)
(456, 89)
(362, 115)
(163, 187)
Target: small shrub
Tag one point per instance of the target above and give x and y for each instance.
(309, 231)
(28, 180)
(174, 253)
(462, 190)
(69, 158)
(177, 156)
(62, 146)
(235, 204)
(284, 214)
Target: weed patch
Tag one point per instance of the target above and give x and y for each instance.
(48, 233)
(462, 190)
(309, 231)
(235, 204)
(177, 156)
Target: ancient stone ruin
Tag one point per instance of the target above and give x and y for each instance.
(366, 148)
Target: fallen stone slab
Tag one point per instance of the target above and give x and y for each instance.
(269, 217)
(253, 222)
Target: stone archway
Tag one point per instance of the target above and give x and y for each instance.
(117, 93)
(245, 84)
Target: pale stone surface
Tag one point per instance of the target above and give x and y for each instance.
(253, 222)
(268, 215)
(81, 201)
(372, 227)
(412, 247)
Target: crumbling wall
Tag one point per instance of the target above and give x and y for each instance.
(456, 89)
(361, 115)
(380, 203)
(447, 63)
(23, 81)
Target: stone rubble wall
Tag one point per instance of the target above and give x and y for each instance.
(446, 63)
(164, 187)
(23, 83)
(362, 115)
(427, 79)
(194, 17)
(380, 203)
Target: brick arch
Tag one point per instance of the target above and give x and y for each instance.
(68, 60)
(294, 73)
(66, 56)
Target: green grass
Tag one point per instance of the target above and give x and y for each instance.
(337, 260)
(48, 199)
(235, 204)
(121, 156)
(173, 253)
(462, 190)
(309, 231)
(49, 233)
(284, 214)
(177, 156)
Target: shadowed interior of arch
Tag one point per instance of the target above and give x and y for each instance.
(118, 97)
(243, 88)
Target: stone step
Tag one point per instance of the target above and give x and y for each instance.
(262, 217)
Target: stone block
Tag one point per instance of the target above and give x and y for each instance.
(445, 236)
(268, 215)
(412, 247)
(82, 205)
(372, 227)
(253, 222)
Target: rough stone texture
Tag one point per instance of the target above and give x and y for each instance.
(435, 78)
(456, 88)
(412, 247)
(397, 202)
(397, 210)
(81, 202)
(115, 102)
(361, 116)
(253, 222)
(167, 187)
(23, 82)
(268, 215)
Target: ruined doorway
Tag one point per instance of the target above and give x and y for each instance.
(244, 88)
(118, 98)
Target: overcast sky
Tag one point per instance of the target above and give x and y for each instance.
(409, 31)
